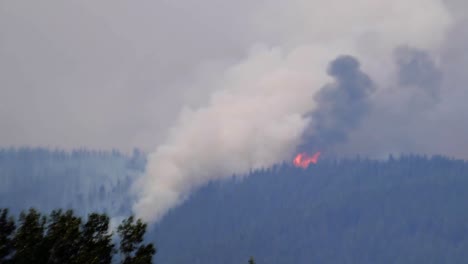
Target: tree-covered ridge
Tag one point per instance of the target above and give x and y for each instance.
(411, 209)
(82, 180)
(63, 237)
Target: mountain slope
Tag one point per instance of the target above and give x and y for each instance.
(82, 180)
(410, 210)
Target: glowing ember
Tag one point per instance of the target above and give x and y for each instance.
(303, 160)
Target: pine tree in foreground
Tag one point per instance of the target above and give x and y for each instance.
(63, 237)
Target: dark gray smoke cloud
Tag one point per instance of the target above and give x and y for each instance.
(418, 71)
(414, 114)
(341, 105)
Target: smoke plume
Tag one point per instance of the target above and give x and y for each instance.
(254, 122)
(279, 96)
(418, 72)
(416, 67)
(405, 115)
(341, 105)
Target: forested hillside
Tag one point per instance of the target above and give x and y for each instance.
(407, 210)
(82, 180)
(411, 209)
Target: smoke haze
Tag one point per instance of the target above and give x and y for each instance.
(210, 89)
(264, 105)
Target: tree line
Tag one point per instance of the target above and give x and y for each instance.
(63, 237)
(406, 209)
(85, 180)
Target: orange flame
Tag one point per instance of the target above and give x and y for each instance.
(303, 160)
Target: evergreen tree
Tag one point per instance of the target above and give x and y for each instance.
(7, 227)
(28, 241)
(63, 237)
(251, 260)
(96, 241)
(131, 234)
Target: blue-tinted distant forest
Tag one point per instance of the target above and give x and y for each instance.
(411, 209)
(83, 180)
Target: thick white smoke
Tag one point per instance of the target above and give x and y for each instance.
(255, 117)
(253, 122)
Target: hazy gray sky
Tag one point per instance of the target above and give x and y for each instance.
(210, 88)
(116, 74)
(109, 73)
